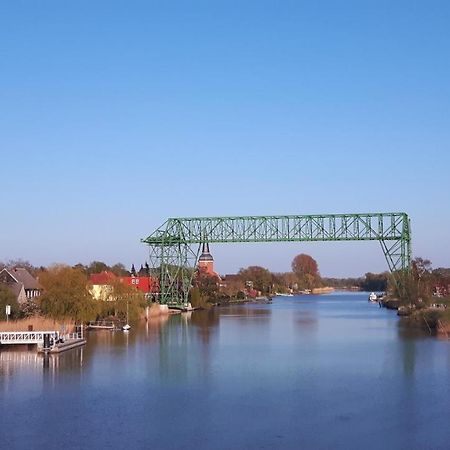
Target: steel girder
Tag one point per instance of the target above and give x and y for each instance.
(172, 256)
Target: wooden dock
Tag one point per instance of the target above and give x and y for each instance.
(46, 341)
(63, 346)
(102, 325)
(26, 337)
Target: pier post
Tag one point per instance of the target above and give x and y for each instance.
(46, 345)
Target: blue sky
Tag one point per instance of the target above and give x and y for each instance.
(117, 115)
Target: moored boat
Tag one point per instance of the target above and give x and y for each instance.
(127, 326)
(101, 325)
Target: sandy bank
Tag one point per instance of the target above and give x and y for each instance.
(156, 310)
(37, 323)
(323, 290)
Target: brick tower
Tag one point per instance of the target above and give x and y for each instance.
(206, 261)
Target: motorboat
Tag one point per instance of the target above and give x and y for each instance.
(373, 297)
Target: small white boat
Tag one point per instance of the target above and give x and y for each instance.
(126, 327)
(372, 297)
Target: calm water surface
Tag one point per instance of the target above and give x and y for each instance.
(310, 372)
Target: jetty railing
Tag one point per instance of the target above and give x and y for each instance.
(26, 337)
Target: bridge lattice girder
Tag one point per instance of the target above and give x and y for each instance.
(171, 252)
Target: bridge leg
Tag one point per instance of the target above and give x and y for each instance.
(398, 257)
(174, 265)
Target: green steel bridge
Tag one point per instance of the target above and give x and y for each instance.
(175, 246)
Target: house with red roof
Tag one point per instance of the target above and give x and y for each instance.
(103, 284)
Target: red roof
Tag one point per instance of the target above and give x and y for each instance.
(144, 284)
(104, 277)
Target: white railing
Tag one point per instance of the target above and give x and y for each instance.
(26, 337)
(76, 335)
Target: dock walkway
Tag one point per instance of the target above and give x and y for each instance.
(26, 337)
(46, 341)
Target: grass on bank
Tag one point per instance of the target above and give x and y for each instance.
(38, 323)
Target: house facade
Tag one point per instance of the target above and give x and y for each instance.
(102, 284)
(23, 285)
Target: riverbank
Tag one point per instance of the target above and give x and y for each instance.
(37, 323)
(323, 290)
(443, 329)
(155, 310)
(40, 323)
(434, 318)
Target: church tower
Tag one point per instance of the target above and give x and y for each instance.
(206, 261)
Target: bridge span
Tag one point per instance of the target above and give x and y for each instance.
(174, 247)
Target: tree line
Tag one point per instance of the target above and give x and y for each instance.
(66, 294)
(66, 289)
(255, 280)
(118, 269)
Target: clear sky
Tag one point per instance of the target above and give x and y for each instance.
(116, 115)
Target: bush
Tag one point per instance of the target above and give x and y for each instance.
(8, 298)
(30, 308)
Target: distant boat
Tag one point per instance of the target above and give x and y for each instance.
(373, 297)
(279, 294)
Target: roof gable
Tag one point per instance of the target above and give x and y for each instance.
(7, 277)
(22, 275)
(15, 288)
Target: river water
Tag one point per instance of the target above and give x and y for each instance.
(306, 372)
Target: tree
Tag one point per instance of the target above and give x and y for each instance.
(288, 281)
(120, 270)
(12, 263)
(306, 269)
(415, 286)
(66, 295)
(375, 282)
(8, 298)
(195, 298)
(207, 284)
(97, 267)
(30, 308)
(422, 273)
(125, 297)
(81, 268)
(260, 277)
(231, 287)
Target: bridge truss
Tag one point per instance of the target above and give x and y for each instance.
(175, 246)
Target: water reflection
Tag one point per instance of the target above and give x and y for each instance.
(184, 343)
(305, 321)
(406, 345)
(13, 361)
